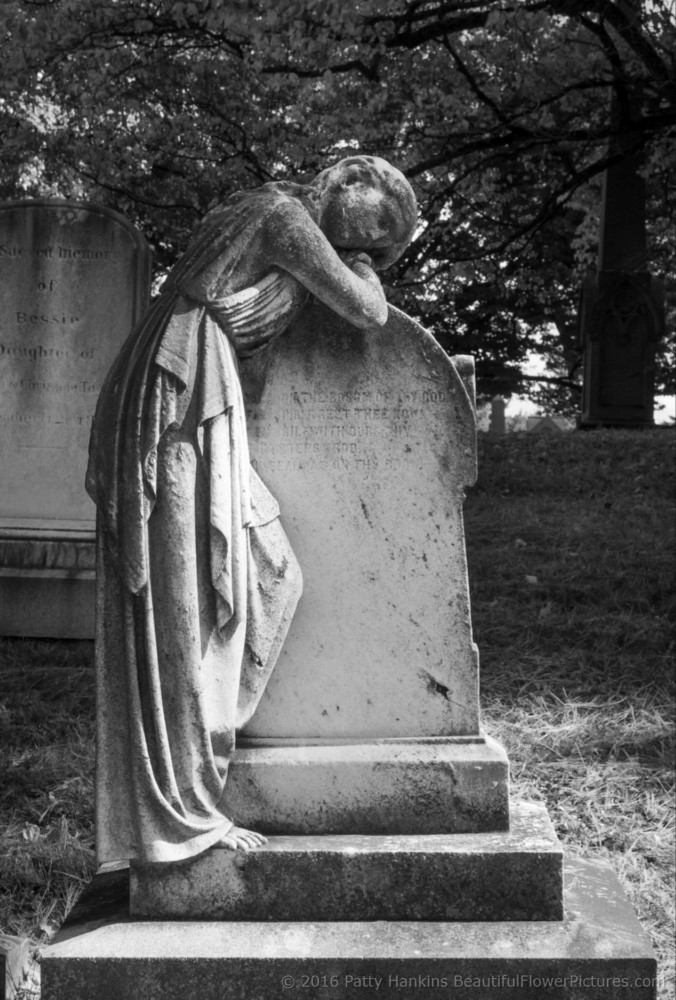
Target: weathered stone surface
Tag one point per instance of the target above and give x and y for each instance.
(75, 277)
(367, 440)
(598, 951)
(486, 876)
(399, 786)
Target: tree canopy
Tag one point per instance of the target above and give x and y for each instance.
(498, 112)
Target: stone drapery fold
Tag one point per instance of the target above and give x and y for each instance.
(197, 583)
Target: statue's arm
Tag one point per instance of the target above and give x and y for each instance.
(296, 244)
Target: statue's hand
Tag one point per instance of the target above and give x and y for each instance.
(377, 258)
(362, 265)
(239, 839)
(352, 257)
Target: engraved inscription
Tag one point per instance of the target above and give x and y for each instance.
(325, 429)
(63, 367)
(56, 253)
(67, 304)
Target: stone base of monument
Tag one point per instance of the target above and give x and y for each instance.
(597, 950)
(47, 581)
(389, 786)
(516, 875)
(47, 604)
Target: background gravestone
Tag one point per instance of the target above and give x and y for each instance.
(75, 278)
(622, 308)
(498, 424)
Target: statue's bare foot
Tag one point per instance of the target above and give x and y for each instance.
(239, 839)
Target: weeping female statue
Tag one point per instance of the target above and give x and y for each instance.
(197, 583)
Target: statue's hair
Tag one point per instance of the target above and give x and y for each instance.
(371, 171)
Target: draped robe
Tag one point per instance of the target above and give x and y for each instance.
(196, 580)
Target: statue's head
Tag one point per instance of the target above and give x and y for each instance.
(367, 204)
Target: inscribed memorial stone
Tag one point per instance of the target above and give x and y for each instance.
(74, 279)
(367, 440)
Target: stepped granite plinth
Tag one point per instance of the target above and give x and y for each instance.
(597, 952)
(488, 876)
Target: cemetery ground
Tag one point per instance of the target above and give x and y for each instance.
(570, 543)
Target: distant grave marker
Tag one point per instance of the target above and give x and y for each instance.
(75, 278)
(622, 307)
(498, 424)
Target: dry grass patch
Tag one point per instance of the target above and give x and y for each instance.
(46, 793)
(604, 768)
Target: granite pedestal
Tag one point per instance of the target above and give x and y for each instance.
(597, 952)
(514, 875)
(47, 579)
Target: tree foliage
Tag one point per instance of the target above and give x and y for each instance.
(498, 112)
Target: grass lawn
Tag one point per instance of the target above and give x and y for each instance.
(571, 552)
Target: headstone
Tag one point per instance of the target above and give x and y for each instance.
(622, 308)
(498, 424)
(75, 277)
(367, 440)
